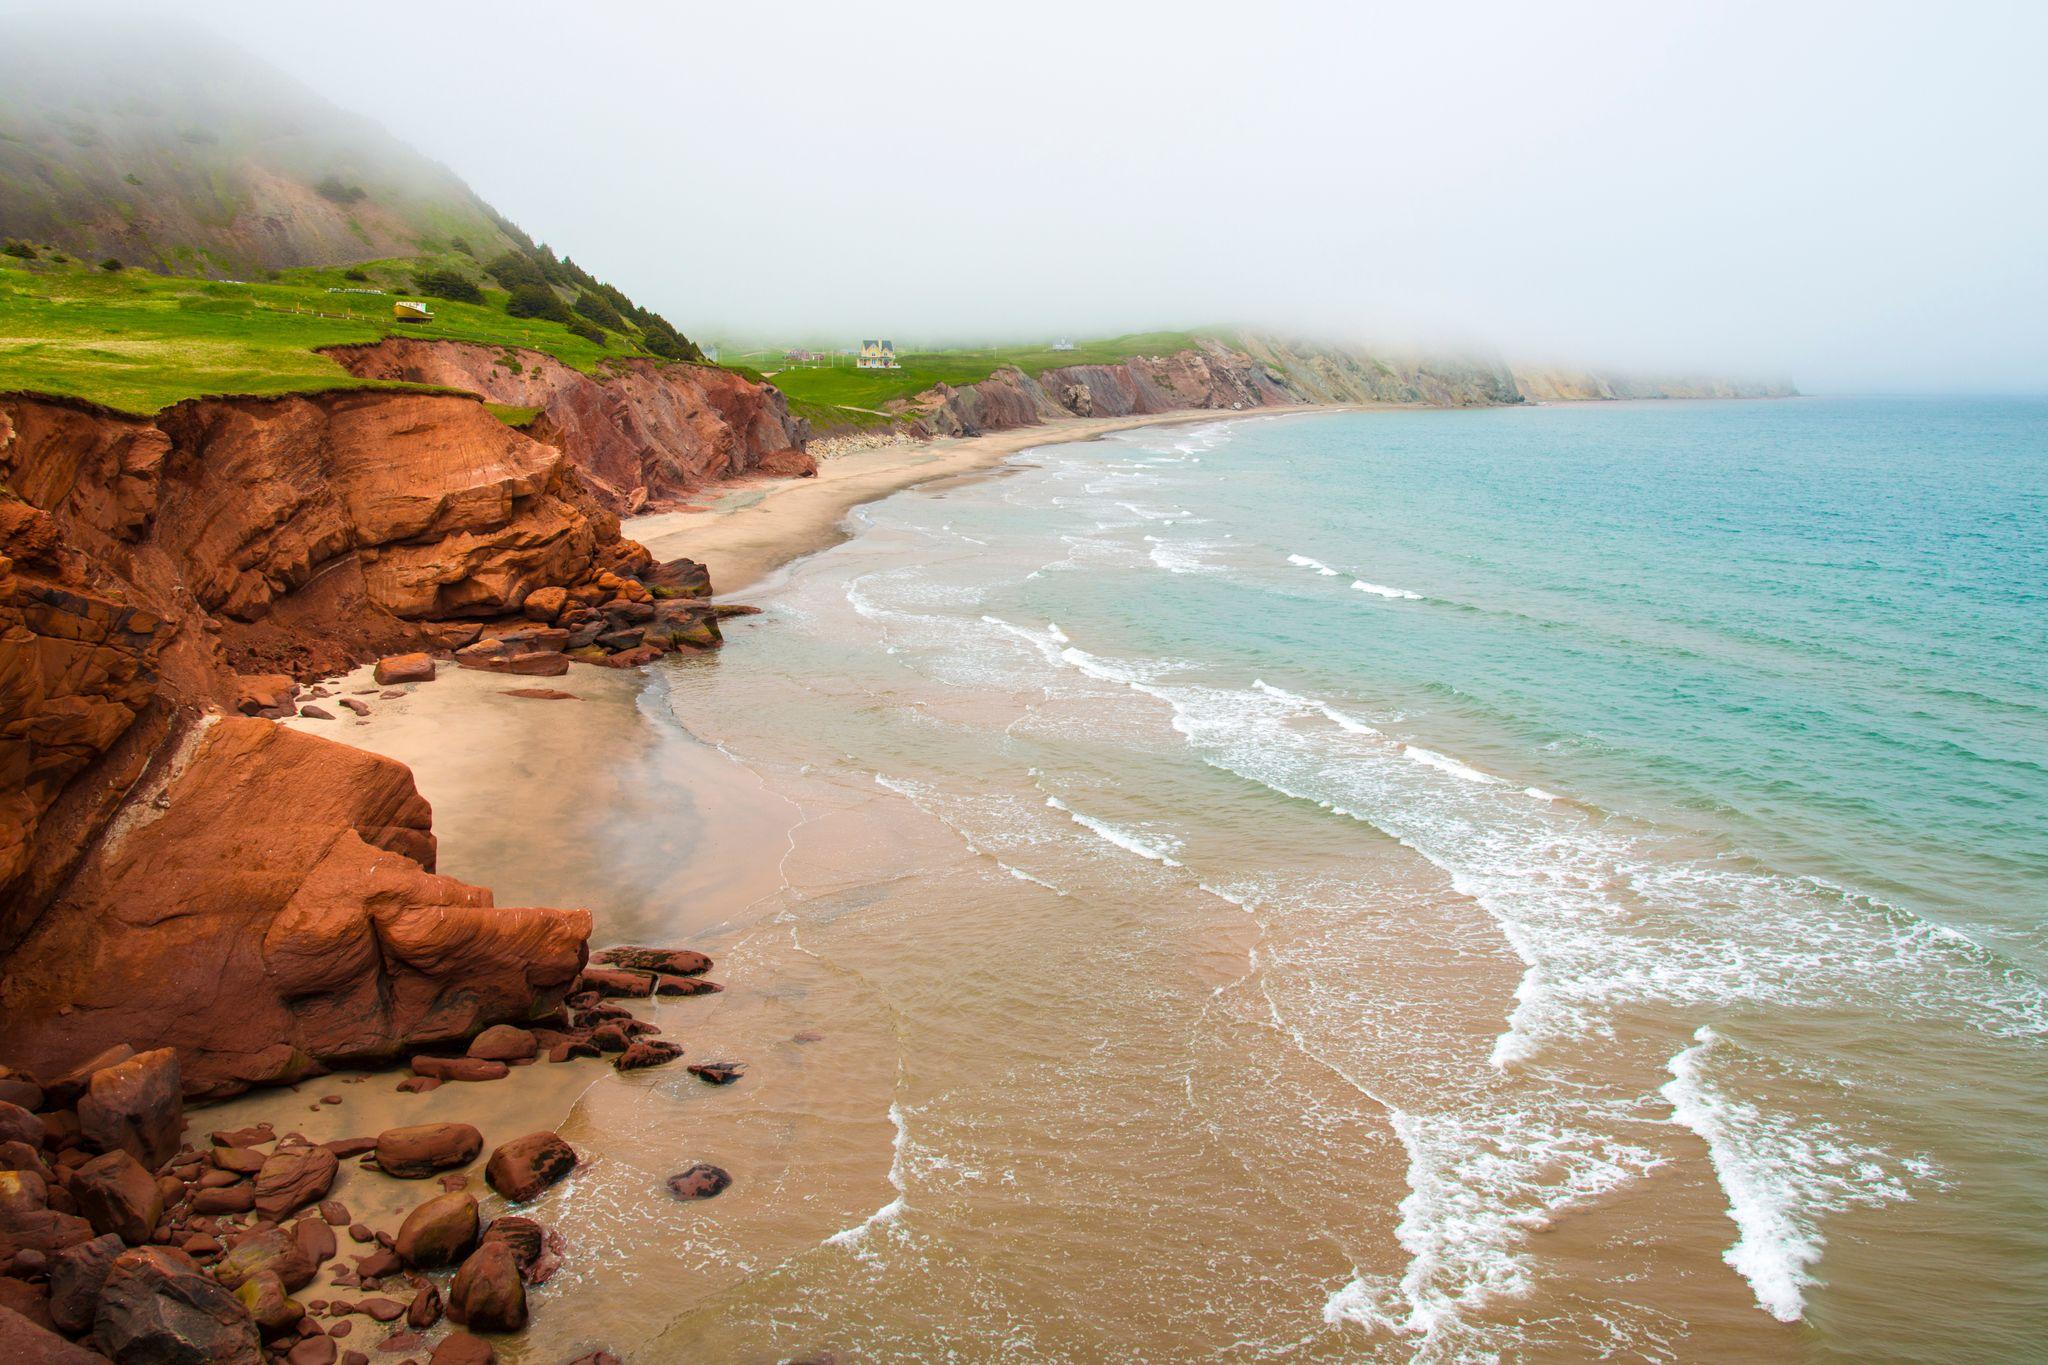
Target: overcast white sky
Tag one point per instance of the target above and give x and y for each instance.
(1855, 195)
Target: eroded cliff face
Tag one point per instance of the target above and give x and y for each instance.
(265, 902)
(643, 436)
(1256, 372)
(260, 898)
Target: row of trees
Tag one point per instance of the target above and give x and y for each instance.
(537, 280)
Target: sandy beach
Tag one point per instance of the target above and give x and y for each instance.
(752, 529)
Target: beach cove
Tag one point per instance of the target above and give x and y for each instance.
(1312, 1048)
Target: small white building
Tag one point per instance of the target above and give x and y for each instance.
(1063, 345)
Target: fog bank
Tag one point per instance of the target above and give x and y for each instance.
(1850, 195)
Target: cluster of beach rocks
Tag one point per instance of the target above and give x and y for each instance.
(122, 1239)
(614, 621)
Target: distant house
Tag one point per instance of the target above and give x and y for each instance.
(1063, 345)
(411, 310)
(877, 355)
(800, 354)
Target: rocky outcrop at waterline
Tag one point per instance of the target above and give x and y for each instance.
(641, 434)
(174, 874)
(129, 1232)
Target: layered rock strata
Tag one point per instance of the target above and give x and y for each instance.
(642, 435)
(264, 901)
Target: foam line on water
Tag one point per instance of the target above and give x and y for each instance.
(1780, 1176)
(1123, 839)
(1381, 590)
(925, 799)
(1415, 753)
(894, 1209)
(1329, 712)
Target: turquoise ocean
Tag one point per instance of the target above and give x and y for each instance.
(1637, 814)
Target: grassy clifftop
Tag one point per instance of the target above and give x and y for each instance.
(139, 342)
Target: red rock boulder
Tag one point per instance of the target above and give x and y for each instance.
(137, 1106)
(330, 940)
(440, 1232)
(487, 1293)
(118, 1197)
(157, 1305)
(522, 1168)
(25, 1342)
(663, 961)
(404, 668)
(417, 1152)
(290, 1180)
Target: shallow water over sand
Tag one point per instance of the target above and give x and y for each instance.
(1408, 915)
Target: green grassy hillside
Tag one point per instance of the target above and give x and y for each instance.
(169, 149)
(139, 342)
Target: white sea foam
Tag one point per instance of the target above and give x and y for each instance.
(1603, 914)
(1046, 642)
(1180, 556)
(1610, 918)
(1123, 839)
(1381, 590)
(1102, 669)
(1329, 712)
(894, 1209)
(929, 800)
(1304, 562)
(1780, 1173)
(1444, 763)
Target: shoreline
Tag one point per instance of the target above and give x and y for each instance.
(754, 528)
(606, 800)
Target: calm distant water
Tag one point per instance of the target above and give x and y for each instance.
(1525, 883)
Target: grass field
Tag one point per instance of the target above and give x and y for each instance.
(140, 342)
(838, 394)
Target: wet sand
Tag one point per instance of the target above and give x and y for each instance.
(752, 529)
(598, 801)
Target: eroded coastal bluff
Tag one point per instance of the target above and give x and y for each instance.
(196, 900)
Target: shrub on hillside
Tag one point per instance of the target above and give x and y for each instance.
(599, 310)
(587, 331)
(666, 341)
(447, 284)
(355, 275)
(512, 270)
(334, 190)
(537, 301)
(111, 263)
(19, 249)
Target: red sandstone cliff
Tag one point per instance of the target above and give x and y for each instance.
(644, 434)
(260, 898)
(1210, 377)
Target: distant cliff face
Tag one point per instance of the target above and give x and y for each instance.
(644, 435)
(1552, 385)
(1251, 372)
